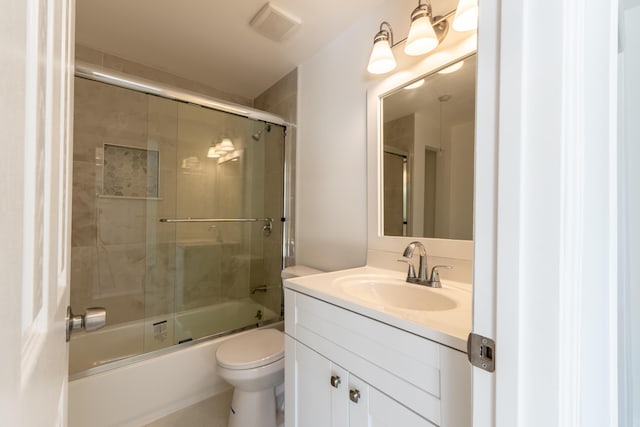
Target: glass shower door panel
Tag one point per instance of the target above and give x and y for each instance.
(159, 282)
(115, 189)
(266, 286)
(218, 261)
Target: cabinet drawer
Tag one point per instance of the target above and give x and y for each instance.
(404, 365)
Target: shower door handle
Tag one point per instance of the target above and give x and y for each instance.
(92, 319)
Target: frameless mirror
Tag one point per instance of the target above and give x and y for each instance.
(428, 153)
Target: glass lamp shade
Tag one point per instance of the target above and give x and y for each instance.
(226, 145)
(422, 38)
(212, 152)
(466, 18)
(381, 60)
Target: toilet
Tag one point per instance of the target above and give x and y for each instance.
(253, 363)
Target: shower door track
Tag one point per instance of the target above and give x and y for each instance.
(116, 78)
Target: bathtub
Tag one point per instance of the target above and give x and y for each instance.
(123, 341)
(123, 387)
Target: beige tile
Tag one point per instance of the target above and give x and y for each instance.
(285, 89)
(198, 275)
(102, 110)
(83, 215)
(159, 289)
(121, 221)
(87, 54)
(87, 272)
(149, 73)
(399, 133)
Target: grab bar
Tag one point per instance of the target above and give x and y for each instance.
(267, 227)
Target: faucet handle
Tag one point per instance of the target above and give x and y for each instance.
(435, 274)
(411, 274)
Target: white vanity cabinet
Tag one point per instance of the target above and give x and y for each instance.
(345, 369)
(330, 396)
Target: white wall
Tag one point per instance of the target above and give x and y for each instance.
(331, 159)
(629, 213)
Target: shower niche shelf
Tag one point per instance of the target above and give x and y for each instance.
(130, 172)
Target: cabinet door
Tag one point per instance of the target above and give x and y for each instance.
(369, 407)
(320, 391)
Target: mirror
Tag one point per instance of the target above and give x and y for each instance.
(427, 144)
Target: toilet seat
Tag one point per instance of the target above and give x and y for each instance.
(251, 350)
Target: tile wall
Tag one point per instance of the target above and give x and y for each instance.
(120, 259)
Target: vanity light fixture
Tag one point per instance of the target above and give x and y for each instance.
(381, 60)
(466, 18)
(226, 145)
(426, 32)
(212, 152)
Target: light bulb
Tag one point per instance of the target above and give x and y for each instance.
(212, 152)
(422, 38)
(226, 145)
(381, 60)
(466, 18)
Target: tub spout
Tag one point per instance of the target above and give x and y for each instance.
(262, 288)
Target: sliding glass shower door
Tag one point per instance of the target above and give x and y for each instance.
(228, 230)
(176, 226)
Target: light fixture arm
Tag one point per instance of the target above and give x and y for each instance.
(384, 34)
(422, 38)
(440, 26)
(422, 10)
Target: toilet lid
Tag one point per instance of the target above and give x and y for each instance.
(251, 350)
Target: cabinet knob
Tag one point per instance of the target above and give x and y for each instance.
(335, 381)
(354, 395)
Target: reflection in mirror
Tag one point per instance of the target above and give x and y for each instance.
(428, 144)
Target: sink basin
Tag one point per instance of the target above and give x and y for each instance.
(393, 292)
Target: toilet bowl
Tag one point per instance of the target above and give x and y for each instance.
(253, 363)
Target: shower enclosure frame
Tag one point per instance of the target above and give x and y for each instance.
(141, 85)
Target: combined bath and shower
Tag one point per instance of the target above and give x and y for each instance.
(256, 136)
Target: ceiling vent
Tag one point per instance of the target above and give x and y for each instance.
(274, 23)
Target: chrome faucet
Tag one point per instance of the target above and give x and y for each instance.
(421, 279)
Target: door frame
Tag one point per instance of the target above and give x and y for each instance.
(37, 40)
(545, 272)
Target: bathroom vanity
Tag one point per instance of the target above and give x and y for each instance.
(365, 348)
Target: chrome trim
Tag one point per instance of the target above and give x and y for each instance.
(267, 228)
(139, 84)
(189, 219)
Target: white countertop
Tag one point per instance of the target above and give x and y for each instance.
(448, 327)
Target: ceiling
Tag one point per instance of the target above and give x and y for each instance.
(210, 41)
